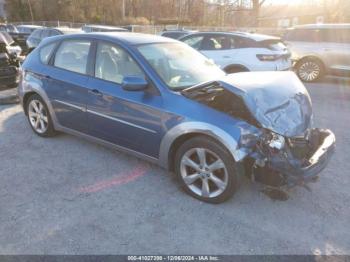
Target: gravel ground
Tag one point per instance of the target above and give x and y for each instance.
(68, 196)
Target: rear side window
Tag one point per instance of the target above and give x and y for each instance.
(72, 55)
(336, 35)
(303, 35)
(36, 33)
(45, 33)
(218, 42)
(45, 52)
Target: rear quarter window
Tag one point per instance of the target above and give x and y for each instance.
(46, 52)
(303, 35)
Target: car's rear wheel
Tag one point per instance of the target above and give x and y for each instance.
(39, 117)
(309, 69)
(206, 170)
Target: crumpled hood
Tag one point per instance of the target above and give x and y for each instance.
(277, 100)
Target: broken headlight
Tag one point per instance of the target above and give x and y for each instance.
(273, 141)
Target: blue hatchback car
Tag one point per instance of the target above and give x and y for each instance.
(163, 101)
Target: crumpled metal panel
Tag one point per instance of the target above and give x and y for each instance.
(278, 100)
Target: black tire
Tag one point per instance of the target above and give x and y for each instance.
(304, 70)
(235, 69)
(49, 131)
(232, 177)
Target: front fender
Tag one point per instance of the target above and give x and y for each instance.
(231, 144)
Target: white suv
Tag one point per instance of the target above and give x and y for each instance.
(239, 52)
(320, 49)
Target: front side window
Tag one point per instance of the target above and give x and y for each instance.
(113, 64)
(46, 52)
(72, 55)
(194, 41)
(178, 65)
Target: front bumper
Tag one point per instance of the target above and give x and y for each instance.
(316, 163)
(284, 169)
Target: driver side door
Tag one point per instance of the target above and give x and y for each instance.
(130, 119)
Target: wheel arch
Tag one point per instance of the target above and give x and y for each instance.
(26, 98)
(179, 134)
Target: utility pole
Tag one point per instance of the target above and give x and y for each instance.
(123, 9)
(30, 10)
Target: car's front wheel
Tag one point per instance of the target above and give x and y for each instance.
(39, 117)
(206, 170)
(309, 69)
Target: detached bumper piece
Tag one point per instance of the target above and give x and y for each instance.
(8, 76)
(298, 163)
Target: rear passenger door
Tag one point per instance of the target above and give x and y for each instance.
(66, 83)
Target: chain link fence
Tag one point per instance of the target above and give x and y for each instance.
(156, 29)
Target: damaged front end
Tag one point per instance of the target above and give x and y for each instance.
(279, 161)
(287, 151)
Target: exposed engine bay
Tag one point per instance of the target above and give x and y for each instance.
(287, 151)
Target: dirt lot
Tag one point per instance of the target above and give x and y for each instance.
(68, 196)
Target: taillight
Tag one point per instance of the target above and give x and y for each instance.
(268, 57)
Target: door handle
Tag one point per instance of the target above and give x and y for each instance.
(95, 92)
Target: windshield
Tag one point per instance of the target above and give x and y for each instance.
(179, 65)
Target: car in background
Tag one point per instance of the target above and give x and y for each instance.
(176, 34)
(319, 49)
(9, 64)
(11, 45)
(9, 28)
(241, 52)
(39, 34)
(21, 35)
(102, 28)
(163, 101)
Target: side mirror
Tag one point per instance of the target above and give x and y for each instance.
(134, 83)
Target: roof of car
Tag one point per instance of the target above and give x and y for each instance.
(126, 37)
(67, 30)
(30, 26)
(105, 27)
(254, 36)
(324, 26)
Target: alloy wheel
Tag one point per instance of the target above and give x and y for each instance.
(38, 117)
(204, 172)
(309, 71)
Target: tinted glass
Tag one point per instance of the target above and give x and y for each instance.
(113, 64)
(46, 52)
(303, 35)
(194, 41)
(72, 55)
(174, 35)
(336, 35)
(36, 33)
(45, 33)
(218, 42)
